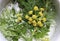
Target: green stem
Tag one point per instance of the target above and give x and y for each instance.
(26, 38)
(15, 39)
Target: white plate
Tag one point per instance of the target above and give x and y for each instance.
(55, 36)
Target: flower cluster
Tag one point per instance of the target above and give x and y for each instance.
(36, 17)
(27, 20)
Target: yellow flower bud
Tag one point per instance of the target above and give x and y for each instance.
(40, 23)
(30, 19)
(34, 16)
(40, 13)
(44, 19)
(36, 8)
(26, 16)
(33, 21)
(35, 24)
(30, 12)
(19, 18)
(42, 9)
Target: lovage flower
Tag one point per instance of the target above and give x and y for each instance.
(30, 12)
(36, 8)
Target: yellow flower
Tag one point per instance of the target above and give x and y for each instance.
(34, 16)
(42, 9)
(33, 21)
(19, 18)
(40, 23)
(36, 8)
(40, 13)
(44, 19)
(26, 16)
(18, 15)
(35, 24)
(30, 12)
(30, 19)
